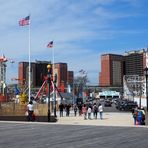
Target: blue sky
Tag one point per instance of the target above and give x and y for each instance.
(82, 30)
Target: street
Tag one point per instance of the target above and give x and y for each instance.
(39, 135)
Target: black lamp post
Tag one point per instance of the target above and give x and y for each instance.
(54, 82)
(49, 83)
(146, 76)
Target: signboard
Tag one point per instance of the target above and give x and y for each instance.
(109, 93)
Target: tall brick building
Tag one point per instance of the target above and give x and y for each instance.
(23, 73)
(111, 70)
(114, 67)
(135, 62)
(39, 71)
(61, 71)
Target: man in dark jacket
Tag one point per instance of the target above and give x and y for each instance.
(61, 107)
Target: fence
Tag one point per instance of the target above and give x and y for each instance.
(13, 109)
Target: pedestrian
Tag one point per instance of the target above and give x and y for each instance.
(75, 110)
(84, 111)
(80, 109)
(89, 112)
(30, 109)
(67, 108)
(61, 107)
(101, 111)
(95, 110)
(135, 114)
(143, 119)
(141, 116)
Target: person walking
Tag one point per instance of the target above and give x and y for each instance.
(89, 112)
(95, 110)
(67, 108)
(80, 109)
(84, 111)
(135, 114)
(30, 109)
(101, 111)
(141, 117)
(75, 110)
(61, 107)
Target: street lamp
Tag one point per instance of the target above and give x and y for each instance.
(146, 76)
(49, 83)
(54, 83)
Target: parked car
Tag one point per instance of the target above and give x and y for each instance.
(107, 103)
(126, 105)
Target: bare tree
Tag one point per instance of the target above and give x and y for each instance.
(80, 83)
(135, 85)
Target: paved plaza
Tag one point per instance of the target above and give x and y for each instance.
(114, 131)
(124, 119)
(109, 119)
(55, 135)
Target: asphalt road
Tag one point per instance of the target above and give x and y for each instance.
(45, 135)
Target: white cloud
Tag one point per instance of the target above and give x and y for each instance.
(79, 30)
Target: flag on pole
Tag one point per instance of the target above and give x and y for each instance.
(50, 44)
(24, 21)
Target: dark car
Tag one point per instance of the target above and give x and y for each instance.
(119, 104)
(107, 103)
(126, 105)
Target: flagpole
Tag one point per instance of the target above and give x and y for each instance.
(29, 72)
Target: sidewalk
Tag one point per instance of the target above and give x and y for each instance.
(109, 119)
(118, 119)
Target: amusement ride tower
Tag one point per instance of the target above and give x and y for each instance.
(3, 61)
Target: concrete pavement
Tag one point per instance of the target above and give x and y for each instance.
(53, 135)
(109, 119)
(122, 119)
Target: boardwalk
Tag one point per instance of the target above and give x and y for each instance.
(54, 135)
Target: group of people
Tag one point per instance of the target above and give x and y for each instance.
(65, 107)
(86, 109)
(139, 116)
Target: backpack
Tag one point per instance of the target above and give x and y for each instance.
(95, 108)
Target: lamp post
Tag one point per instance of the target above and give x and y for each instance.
(49, 83)
(54, 82)
(146, 76)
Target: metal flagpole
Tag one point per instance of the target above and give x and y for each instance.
(29, 72)
(23, 22)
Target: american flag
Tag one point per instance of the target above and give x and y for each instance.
(24, 21)
(50, 44)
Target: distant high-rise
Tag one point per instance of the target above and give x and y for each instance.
(114, 67)
(39, 71)
(111, 70)
(61, 71)
(135, 61)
